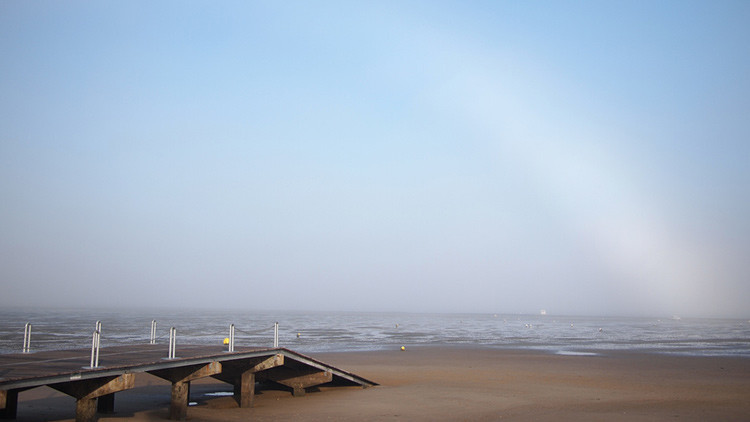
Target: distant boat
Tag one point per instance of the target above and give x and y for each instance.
(543, 312)
(676, 318)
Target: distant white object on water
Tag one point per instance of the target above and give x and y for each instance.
(543, 312)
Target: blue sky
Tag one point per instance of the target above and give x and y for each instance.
(583, 157)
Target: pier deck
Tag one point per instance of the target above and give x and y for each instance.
(94, 388)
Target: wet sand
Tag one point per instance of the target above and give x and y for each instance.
(461, 384)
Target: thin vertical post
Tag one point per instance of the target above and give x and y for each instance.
(27, 338)
(276, 334)
(153, 332)
(98, 342)
(95, 350)
(171, 338)
(231, 338)
(172, 342)
(93, 347)
(98, 346)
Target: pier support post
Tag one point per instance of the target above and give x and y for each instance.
(85, 410)
(8, 404)
(180, 378)
(87, 391)
(106, 403)
(244, 390)
(180, 400)
(241, 374)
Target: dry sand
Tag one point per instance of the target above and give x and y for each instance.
(462, 384)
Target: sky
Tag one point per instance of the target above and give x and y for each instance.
(583, 157)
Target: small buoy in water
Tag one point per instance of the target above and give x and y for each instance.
(298, 334)
(600, 330)
(226, 341)
(396, 325)
(403, 348)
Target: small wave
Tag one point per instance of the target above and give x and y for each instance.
(220, 394)
(574, 353)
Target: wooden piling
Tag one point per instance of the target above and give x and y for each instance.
(8, 404)
(87, 391)
(180, 378)
(106, 403)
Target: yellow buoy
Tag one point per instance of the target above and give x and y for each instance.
(298, 334)
(403, 348)
(226, 340)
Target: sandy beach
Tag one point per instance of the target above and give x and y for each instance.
(461, 384)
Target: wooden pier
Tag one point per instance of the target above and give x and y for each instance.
(94, 389)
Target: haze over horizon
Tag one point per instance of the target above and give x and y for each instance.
(587, 158)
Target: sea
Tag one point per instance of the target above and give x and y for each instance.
(313, 332)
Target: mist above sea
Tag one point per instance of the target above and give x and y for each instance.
(310, 332)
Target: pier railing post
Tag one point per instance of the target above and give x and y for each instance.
(153, 332)
(172, 343)
(95, 343)
(93, 349)
(98, 346)
(276, 334)
(98, 341)
(231, 338)
(27, 338)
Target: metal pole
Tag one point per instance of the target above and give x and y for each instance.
(98, 345)
(231, 338)
(27, 338)
(153, 331)
(172, 342)
(276, 334)
(93, 349)
(98, 336)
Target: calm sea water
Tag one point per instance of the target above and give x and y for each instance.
(336, 331)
